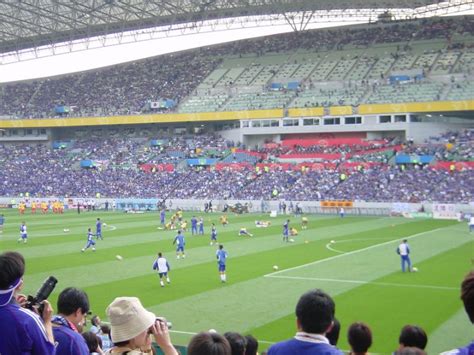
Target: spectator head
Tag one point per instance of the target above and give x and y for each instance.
(209, 343)
(12, 269)
(252, 345)
(413, 336)
(129, 321)
(333, 334)
(315, 312)
(410, 350)
(73, 304)
(95, 320)
(237, 342)
(467, 295)
(105, 329)
(359, 337)
(92, 341)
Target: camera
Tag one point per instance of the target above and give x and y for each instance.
(43, 293)
(161, 320)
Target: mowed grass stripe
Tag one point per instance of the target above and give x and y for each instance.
(134, 253)
(196, 279)
(401, 305)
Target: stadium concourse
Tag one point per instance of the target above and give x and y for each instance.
(138, 166)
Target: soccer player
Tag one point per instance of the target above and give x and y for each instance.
(163, 267)
(404, 251)
(286, 230)
(33, 207)
(201, 226)
(179, 241)
(194, 223)
(221, 256)
(223, 220)
(90, 241)
(23, 233)
(471, 224)
(98, 229)
(213, 234)
(304, 222)
(243, 231)
(341, 212)
(163, 217)
(2, 221)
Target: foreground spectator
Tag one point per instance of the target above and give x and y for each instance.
(467, 297)
(314, 318)
(333, 334)
(252, 345)
(413, 336)
(359, 336)
(73, 307)
(93, 343)
(237, 342)
(209, 343)
(22, 331)
(132, 326)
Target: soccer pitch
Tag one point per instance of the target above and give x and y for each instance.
(360, 270)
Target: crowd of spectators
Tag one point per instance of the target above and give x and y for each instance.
(117, 171)
(133, 329)
(129, 88)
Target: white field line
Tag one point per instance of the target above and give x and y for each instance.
(350, 253)
(328, 245)
(433, 287)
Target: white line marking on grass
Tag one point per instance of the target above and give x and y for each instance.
(328, 245)
(368, 282)
(350, 253)
(111, 228)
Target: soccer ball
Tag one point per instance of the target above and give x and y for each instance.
(414, 269)
(212, 331)
(275, 267)
(66, 230)
(119, 257)
(333, 241)
(292, 240)
(306, 241)
(105, 224)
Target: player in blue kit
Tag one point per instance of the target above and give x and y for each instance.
(90, 241)
(163, 218)
(194, 225)
(98, 229)
(286, 230)
(23, 233)
(221, 256)
(201, 226)
(213, 234)
(179, 241)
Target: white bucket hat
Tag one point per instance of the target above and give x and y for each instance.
(128, 318)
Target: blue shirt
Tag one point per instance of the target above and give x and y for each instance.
(179, 240)
(98, 227)
(295, 346)
(162, 216)
(22, 332)
(2, 220)
(194, 222)
(285, 228)
(213, 232)
(69, 341)
(221, 255)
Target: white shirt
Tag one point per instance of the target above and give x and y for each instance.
(471, 221)
(403, 249)
(162, 265)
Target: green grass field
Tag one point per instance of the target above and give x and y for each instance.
(360, 270)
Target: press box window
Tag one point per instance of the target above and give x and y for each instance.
(353, 120)
(385, 119)
(310, 121)
(288, 123)
(400, 118)
(332, 121)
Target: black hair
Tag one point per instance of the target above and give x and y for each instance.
(92, 341)
(333, 334)
(12, 267)
(237, 342)
(359, 337)
(207, 343)
(71, 299)
(252, 345)
(467, 295)
(413, 336)
(315, 311)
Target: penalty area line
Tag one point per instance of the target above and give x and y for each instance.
(351, 252)
(433, 287)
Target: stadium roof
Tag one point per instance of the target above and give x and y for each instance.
(33, 23)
